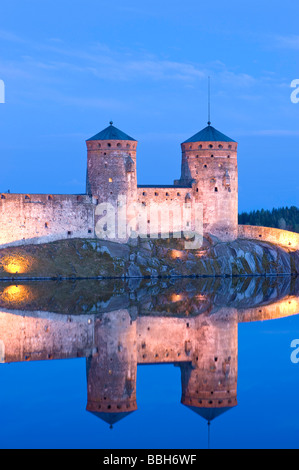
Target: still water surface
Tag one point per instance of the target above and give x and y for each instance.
(98, 364)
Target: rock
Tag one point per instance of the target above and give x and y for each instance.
(78, 258)
(141, 260)
(133, 242)
(147, 245)
(134, 271)
(103, 249)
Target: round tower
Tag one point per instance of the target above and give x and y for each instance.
(209, 384)
(209, 164)
(111, 373)
(111, 171)
(111, 165)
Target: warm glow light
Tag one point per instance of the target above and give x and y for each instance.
(175, 254)
(289, 239)
(176, 297)
(16, 265)
(13, 268)
(201, 297)
(15, 294)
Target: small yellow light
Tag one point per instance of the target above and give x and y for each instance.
(15, 294)
(16, 265)
(176, 297)
(13, 268)
(175, 254)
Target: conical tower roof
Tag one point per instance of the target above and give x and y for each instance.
(111, 133)
(209, 134)
(111, 418)
(209, 413)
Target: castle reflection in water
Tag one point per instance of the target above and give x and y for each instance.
(116, 325)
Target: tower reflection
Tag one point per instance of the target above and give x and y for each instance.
(191, 324)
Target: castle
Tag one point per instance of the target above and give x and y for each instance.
(209, 179)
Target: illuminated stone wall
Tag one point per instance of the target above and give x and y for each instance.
(42, 218)
(283, 238)
(168, 210)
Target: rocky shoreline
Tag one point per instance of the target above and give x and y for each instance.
(143, 258)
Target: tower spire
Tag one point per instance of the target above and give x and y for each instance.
(209, 101)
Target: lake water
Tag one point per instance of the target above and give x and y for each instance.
(172, 364)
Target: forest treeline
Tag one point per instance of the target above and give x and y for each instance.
(286, 218)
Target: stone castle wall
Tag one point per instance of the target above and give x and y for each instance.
(166, 209)
(283, 238)
(42, 218)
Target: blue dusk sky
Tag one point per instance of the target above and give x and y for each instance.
(69, 67)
